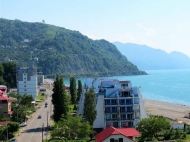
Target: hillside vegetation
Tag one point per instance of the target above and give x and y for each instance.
(61, 51)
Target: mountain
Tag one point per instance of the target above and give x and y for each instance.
(61, 51)
(147, 58)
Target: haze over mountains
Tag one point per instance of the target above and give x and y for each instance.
(148, 58)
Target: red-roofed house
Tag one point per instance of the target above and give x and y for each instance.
(112, 134)
(5, 105)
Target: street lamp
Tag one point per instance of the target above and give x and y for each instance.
(42, 131)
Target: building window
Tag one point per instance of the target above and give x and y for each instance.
(128, 101)
(114, 102)
(120, 139)
(24, 82)
(24, 89)
(115, 124)
(114, 116)
(114, 109)
(123, 116)
(0, 101)
(107, 102)
(108, 116)
(24, 85)
(107, 109)
(112, 140)
(122, 102)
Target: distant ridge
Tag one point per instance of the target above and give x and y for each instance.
(148, 58)
(61, 51)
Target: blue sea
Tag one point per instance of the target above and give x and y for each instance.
(162, 85)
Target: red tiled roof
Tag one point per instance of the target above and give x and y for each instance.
(1, 92)
(4, 98)
(127, 132)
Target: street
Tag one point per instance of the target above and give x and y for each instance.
(33, 131)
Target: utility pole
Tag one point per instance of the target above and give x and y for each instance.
(42, 131)
(47, 126)
(7, 131)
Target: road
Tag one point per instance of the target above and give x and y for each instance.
(33, 131)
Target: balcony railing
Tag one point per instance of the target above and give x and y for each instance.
(107, 104)
(123, 111)
(111, 111)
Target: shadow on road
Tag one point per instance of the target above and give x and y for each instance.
(38, 129)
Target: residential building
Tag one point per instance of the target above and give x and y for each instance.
(3, 89)
(5, 104)
(112, 134)
(27, 80)
(118, 103)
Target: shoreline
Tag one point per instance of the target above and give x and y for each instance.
(166, 109)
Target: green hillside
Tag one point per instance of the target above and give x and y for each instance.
(61, 51)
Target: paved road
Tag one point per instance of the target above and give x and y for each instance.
(33, 131)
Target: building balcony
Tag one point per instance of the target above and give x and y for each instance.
(111, 111)
(111, 104)
(112, 119)
(126, 111)
(125, 104)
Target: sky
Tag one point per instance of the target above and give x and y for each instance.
(160, 24)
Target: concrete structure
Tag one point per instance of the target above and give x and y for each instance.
(27, 80)
(40, 78)
(118, 103)
(112, 134)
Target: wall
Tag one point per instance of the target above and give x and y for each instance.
(117, 137)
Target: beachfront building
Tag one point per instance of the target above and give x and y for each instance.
(118, 103)
(27, 80)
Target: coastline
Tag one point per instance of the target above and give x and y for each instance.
(153, 107)
(166, 109)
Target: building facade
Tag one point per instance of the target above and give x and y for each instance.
(5, 103)
(118, 103)
(27, 80)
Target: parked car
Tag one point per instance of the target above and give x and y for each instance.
(22, 124)
(39, 116)
(13, 140)
(46, 103)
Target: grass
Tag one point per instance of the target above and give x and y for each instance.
(40, 96)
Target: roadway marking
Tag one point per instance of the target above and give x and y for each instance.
(35, 129)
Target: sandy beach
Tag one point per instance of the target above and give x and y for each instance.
(170, 110)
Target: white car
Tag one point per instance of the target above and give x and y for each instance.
(22, 124)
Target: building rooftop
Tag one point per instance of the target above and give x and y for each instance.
(127, 132)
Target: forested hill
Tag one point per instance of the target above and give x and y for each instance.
(61, 51)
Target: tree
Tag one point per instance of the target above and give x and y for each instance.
(26, 100)
(72, 128)
(89, 106)
(153, 127)
(73, 90)
(59, 99)
(9, 74)
(79, 90)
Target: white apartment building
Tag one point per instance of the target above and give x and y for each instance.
(118, 103)
(27, 80)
